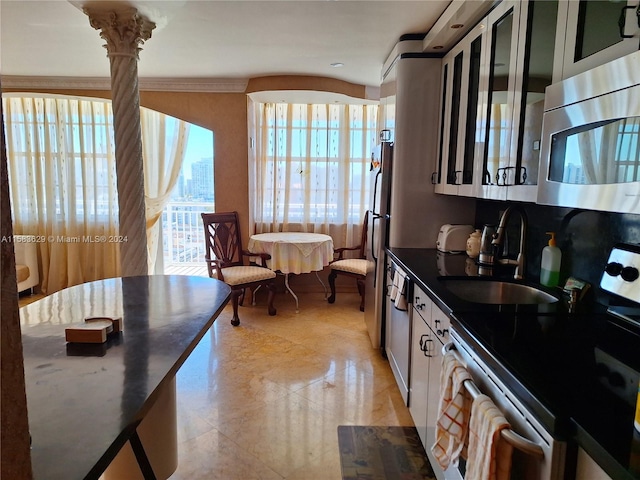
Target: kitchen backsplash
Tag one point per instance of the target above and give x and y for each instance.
(584, 236)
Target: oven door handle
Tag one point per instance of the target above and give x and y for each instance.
(516, 440)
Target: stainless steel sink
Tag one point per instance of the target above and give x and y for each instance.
(496, 292)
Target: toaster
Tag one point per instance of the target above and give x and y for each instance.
(453, 237)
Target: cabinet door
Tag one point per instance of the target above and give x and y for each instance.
(586, 467)
(438, 176)
(440, 324)
(589, 34)
(421, 341)
(534, 72)
(454, 174)
(440, 330)
(460, 89)
(499, 63)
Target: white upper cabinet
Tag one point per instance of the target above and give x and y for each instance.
(534, 72)
(459, 116)
(518, 61)
(590, 33)
(494, 81)
(497, 100)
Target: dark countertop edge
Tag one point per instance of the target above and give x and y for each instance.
(123, 438)
(569, 427)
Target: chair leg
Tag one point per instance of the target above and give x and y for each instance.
(235, 297)
(332, 286)
(241, 297)
(360, 283)
(272, 293)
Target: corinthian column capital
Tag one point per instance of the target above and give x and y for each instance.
(123, 28)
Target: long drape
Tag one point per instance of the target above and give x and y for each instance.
(63, 182)
(312, 168)
(164, 142)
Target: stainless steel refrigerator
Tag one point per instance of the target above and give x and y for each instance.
(377, 237)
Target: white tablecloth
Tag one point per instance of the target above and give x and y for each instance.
(294, 252)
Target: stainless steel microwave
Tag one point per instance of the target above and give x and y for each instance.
(590, 152)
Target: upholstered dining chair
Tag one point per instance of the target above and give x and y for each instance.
(226, 260)
(351, 267)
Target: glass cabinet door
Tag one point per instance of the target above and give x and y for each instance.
(500, 58)
(593, 32)
(437, 178)
(472, 114)
(453, 174)
(535, 72)
(458, 124)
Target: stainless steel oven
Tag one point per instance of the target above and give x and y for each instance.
(537, 455)
(590, 152)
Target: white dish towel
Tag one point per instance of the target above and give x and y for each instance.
(398, 292)
(489, 455)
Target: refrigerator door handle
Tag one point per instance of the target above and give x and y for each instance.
(375, 192)
(376, 217)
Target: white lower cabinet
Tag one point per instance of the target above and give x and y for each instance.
(430, 331)
(587, 468)
(421, 346)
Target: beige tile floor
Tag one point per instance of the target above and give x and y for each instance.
(264, 400)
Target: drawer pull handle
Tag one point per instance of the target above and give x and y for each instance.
(424, 344)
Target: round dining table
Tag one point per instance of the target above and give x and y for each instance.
(294, 252)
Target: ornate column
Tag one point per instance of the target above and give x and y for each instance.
(125, 30)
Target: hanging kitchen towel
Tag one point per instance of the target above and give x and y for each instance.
(401, 302)
(393, 294)
(489, 455)
(453, 412)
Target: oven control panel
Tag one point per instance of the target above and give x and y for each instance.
(622, 272)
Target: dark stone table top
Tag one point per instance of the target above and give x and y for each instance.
(85, 400)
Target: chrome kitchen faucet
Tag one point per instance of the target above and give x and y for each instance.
(500, 236)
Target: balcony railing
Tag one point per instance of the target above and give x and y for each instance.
(183, 236)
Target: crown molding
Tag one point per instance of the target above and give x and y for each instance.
(217, 85)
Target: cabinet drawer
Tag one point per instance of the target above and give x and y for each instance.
(440, 324)
(422, 304)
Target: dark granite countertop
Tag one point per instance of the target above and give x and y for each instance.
(549, 357)
(85, 402)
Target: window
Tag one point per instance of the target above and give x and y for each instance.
(62, 178)
(312, 164)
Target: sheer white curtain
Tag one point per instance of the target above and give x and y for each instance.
(62, 178)
(63, 185)
(312, 168)
(164, 142)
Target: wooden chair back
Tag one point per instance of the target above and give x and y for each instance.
(223, 241)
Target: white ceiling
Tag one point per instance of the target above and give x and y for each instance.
(218, 39)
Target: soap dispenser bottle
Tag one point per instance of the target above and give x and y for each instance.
(550, 263)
